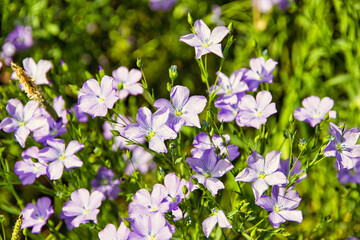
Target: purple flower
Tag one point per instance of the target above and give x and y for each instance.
(262, 172)
(8, 50)
(28, 170)
(182, 109)
(120, 125)
(350, 175)
(152, 226)
(208, 169)
(36, 215)
(217, 216)
(152, 127)
(204, 40)
(36, 71)
(144, 204)
(53, 128)
(285, 169)
(95, 99)
(343, 146)
(202, 143)
(80, 115)
(25, 119)
(314, 110)
(110, 233)
(59, 157)
(229, 107)
(141, 161)
(260, 72)
(174, 193)
(164, 5)
(254, 113)
(82, 206)
(127, 82)
(104, 182)
(281, 206)
(233, 85)
(21, 37)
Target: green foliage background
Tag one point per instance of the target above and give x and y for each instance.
(316, 43)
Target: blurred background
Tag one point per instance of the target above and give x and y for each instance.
(316, 43)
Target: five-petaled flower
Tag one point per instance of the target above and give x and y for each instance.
(152, 127)
(36, 215)
(25, 120)
(208, 169)
(254, 113)
(343, 147)
(96, 99)
(59, 157)
(82, 207)
(281, 205)
(262, 172)
(204, 40)
(182, 109)
(314, 110)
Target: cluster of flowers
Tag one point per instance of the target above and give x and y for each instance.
(19, 39)
(211, 158)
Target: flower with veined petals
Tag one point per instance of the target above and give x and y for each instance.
(126, 82)
(174, 190)
(261, 71)
(281, 205)
(96, 99)
(144, 204)
(59, 157)
(36, 215)
(204, 40)
(37, 71)
(182, 109)
(25, 119)
(217, 216)
(104, 182)
(314, 110)
(152, 127)
(254, 113)
(110, 232)
(82, 207)
(150, 227)
(27, 170)
(262, 172)
(202, 142)
(208, 169)
(343, 147)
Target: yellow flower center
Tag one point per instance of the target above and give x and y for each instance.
(22, 124)
(62, 157)
(178, 113)
(277, 209)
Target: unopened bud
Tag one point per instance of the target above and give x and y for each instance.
(139, 63)
(64, 66)
(173, 72)
(160, 175)
(190, 19)
(16, 234)
(185, 190)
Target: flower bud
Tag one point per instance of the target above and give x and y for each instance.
(185, 190)
(139, 63)
(64, 66)
(160, 175)
(173, 72)
(190, 19)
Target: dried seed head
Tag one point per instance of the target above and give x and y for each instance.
(16, 234)
(32, 90)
